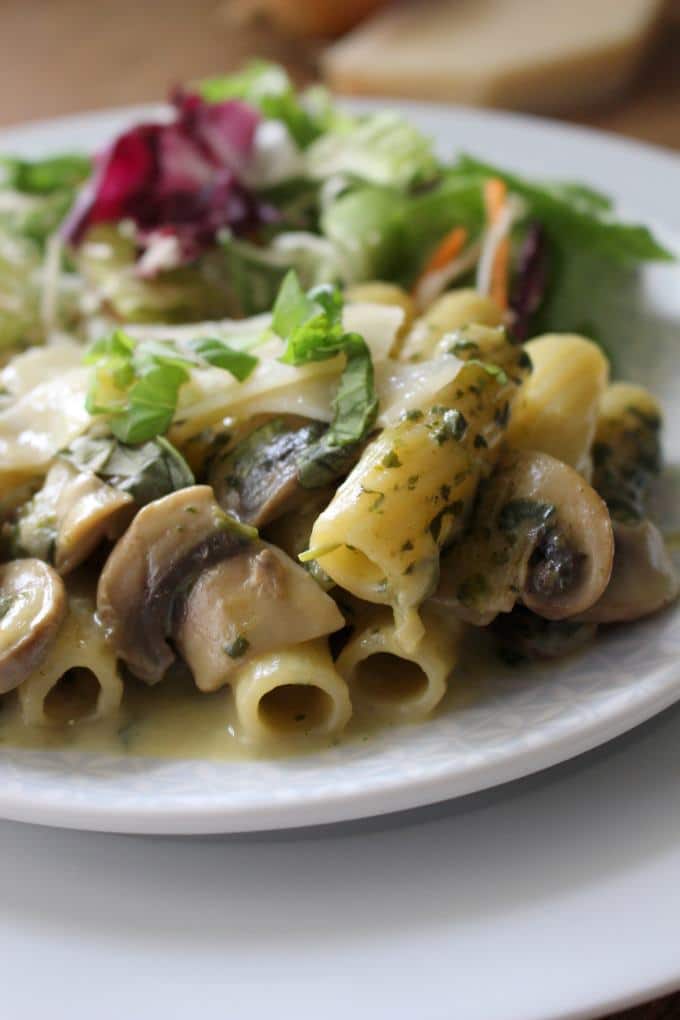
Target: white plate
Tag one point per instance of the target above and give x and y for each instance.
(520, 723)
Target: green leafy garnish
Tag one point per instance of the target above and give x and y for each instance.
(146, 472)
(577, 215)
(238, 647)
(219, 354)
(527, 512)
(267, 87)
(45, 176)
(136, 384)
(311, 324)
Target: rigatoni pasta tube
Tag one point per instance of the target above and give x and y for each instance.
(390, 683)
(556, 412)
(292, 692)
(381, 535)
(79, 679)
(452, 311)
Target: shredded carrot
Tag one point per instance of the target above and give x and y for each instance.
(495, 195)
(445, 252)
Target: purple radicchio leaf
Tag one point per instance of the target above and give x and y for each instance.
(530, 282)
(177, 182)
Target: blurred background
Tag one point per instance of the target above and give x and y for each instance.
(609, 63)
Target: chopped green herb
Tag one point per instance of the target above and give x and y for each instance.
(480, 442)
(240, 364)
(136, 384)
(391, 460)
(407, 546)
(525, 511)
(447, 423)
(6, 603)
(311, 325)
(413, 415)
(238, 647)
(411, 482)
(495, 371)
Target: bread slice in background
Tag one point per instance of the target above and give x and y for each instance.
(537, 55)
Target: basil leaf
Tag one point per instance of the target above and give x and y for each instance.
(137, 384)
(312, 325)
(152, 401)
(146, 472)
(292, 307)
(239, 363)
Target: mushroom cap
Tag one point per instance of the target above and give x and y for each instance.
(540, 534)
(583, 520)
(254, 602)
(88, 511)
(258, 480)
(169, 543)
(33, 604)
(643, 578)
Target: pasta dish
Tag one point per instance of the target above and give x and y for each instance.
(290, 407)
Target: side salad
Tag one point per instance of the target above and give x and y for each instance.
(201, 214)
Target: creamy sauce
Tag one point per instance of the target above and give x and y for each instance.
(174, 720)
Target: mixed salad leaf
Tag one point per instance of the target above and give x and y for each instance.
(202, 214)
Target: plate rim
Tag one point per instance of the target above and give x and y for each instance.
(324, 808)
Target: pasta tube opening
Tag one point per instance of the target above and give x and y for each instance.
(385, 677)
(293, 707)
(73, 697)
(294, 692)
(387, 681)
(78, 680)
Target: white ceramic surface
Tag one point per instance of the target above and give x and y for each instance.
(520, 723)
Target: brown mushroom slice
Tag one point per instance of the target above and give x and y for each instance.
(72, 513)
(88, 511)
(540, 534)
(255, 602)
(258, 480)
(169, 543)
(32, 607)
(643, 578)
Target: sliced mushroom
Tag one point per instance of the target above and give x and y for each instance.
(540, 534)
(255, 602)
(32, 607)
(72, 513)
(169, 543)
(258, 481)
(643, 579)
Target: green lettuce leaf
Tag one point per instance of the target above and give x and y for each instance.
(269, 88)
(44, 176)
(382, 148)
(578, 216)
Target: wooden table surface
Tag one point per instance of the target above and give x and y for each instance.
(63, 56)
